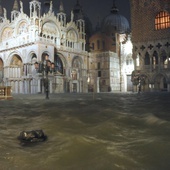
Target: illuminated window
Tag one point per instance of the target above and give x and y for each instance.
(162, 20)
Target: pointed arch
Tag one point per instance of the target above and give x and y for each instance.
(59, 65)
(160, 81)
(72, 38)
(6, 33)
(155, 58)
(147, 59)
(49, 27)
(1, 71)
(16, 61)
(22, 27)
(77, 62)
(164, 59)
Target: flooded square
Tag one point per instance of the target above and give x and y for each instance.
(112, 131)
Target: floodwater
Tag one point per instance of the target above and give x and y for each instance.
(119, 131)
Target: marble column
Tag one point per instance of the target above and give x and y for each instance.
(39, 86)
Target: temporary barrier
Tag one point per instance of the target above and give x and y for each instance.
(5, 92)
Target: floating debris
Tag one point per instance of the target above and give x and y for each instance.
(33, 136)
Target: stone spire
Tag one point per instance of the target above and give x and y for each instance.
(77, 10)
(1, 10)
(61, 8)
(15, 10)
(114, 9)
(35, 8)
(16, 6)
(1, 13)
(61, 15)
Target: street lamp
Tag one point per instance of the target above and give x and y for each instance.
(44, 68)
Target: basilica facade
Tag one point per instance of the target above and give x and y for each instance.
(101, 61)
(28, 39)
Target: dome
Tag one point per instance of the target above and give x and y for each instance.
(115, 22)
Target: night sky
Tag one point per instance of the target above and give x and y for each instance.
(94, 9)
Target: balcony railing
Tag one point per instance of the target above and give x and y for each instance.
(156, 67)
(26, 39)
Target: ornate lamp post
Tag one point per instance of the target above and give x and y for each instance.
(44, 68)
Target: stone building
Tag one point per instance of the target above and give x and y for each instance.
(150, 21)
(110, 57)
(104, 58)
(25, 40)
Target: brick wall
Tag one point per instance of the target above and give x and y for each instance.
(143, 13)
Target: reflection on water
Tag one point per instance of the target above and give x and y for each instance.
(114, 132)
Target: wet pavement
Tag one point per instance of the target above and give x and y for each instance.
(104, 131)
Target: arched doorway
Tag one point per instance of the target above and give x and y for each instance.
(160, 83)
(15, 73)
(60, 84)
(58, 64)
(76, 74)
(1, 72)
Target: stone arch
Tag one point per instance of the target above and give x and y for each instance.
(155, 58)
(72, 38)
(10, 57)
(77, 65)
(50, 27)
(33, 58)
(72, 34)
(15, 72)
(147, 59)
(16, 61)
(60, 63)
(160, 81)
(129, 60)
(145, 80)
(77, 62)
(6, 33)
(22, 27)
(164, 59)
(1, 63)
(43, 55)
(1, 71)
(29, 67)
(30, 56)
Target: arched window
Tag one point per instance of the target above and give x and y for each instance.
(76, 63)
(1, 71)
(162, 20)
(147, 59)
(164, 59)
(155, 58)
(58, 64)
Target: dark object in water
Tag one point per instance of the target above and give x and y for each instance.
(32, 136)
